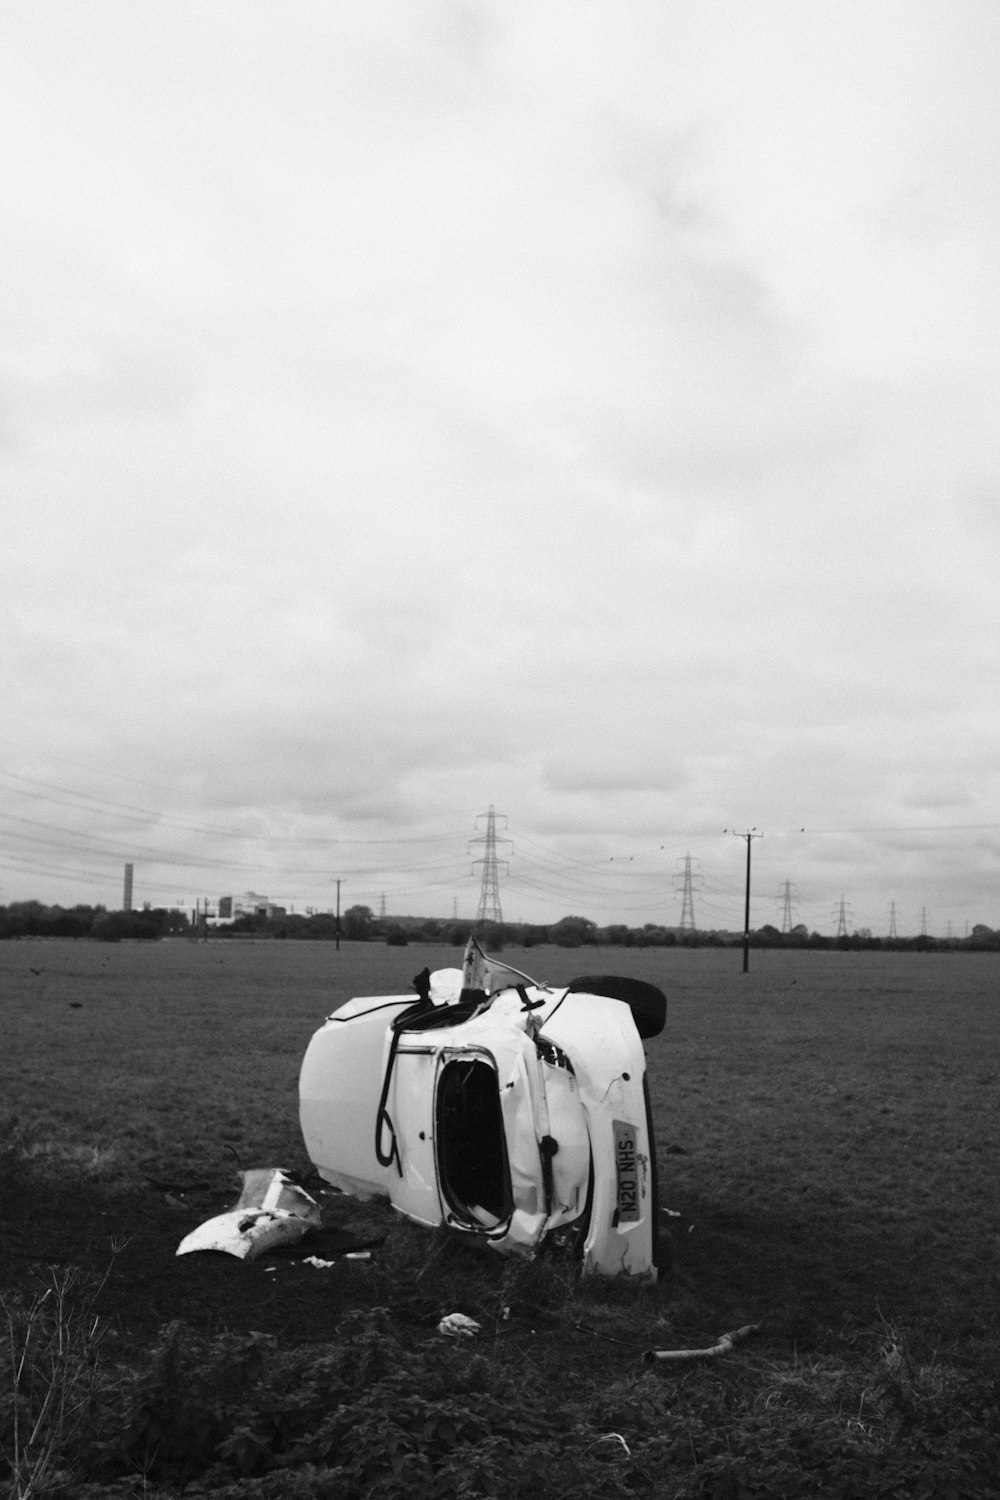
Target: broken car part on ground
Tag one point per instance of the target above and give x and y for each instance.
(507, 1110)
(270, 1212)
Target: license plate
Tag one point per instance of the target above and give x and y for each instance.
(627, 1168)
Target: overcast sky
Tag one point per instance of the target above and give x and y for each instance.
(586, 408)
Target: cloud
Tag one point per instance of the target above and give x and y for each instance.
(605, 772)
(413, 408)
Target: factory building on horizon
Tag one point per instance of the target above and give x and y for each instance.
(250, 904)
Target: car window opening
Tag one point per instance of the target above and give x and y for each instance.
(472, 1154)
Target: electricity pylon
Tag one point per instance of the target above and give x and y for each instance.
(893, 934)
(842, 919)
(687, 896)
(788, 902)
(489, 894)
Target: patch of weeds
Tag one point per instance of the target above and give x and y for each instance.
(359, 1416)
(887, 1426)
(51, 1379)
(382, 1410)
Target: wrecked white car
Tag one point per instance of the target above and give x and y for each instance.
(504, 1109)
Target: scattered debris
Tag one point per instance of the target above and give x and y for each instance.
(271, 1211)
(724, 1346)
(610, 1437)
(314, 1260)
(458, 1326)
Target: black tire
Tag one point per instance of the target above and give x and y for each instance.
(647, 1003)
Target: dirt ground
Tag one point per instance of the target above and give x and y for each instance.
(150, 1285)
(281, 1294)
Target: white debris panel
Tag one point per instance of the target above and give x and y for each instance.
(270, 1212)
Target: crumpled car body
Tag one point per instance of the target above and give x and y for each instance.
(503, 1109)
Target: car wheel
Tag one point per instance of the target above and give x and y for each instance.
(647, 1003)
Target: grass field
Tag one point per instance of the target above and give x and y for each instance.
(827, 1131)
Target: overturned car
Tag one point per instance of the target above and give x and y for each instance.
(504, 1109)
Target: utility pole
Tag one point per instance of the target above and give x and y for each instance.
(202, 915)
(750, 835)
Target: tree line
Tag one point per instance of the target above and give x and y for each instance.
(359, 924)
(34, 919)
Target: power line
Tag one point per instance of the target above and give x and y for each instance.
(83, 802)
